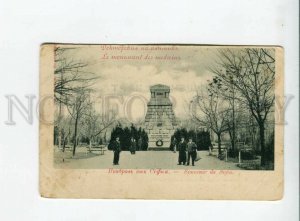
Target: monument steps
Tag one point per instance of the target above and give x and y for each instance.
(158, 149)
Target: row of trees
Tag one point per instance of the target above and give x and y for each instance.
(126, 133)
(76, 118)
(201, 138)
(241, 95)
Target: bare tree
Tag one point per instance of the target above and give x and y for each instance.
(236, 106)
(252, 72)
(78, 105)
(95, 124)
(214, 111)
(70, 77)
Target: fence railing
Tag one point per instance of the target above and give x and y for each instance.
(223, 152)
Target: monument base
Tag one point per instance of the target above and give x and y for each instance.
(155, 145)
(158, 148)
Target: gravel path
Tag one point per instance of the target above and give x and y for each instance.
(141, 160)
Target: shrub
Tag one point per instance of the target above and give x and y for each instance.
(125, 134)
(201, 138)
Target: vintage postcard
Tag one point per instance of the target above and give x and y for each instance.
(161, 122)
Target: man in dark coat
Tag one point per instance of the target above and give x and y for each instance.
(132, 146)
(182, 152)
(192, 151)
(117, 150)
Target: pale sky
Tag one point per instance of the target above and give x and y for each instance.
(130, 80)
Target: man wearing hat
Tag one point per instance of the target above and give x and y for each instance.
(117, 150)
(182, 151)
(192, 151)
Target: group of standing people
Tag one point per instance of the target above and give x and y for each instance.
(187, 152)
(116, 147)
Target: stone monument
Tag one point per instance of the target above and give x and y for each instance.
(160, 121)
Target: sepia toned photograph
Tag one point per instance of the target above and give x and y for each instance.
(164, 109)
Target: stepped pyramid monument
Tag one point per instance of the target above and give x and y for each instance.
(160, 121)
